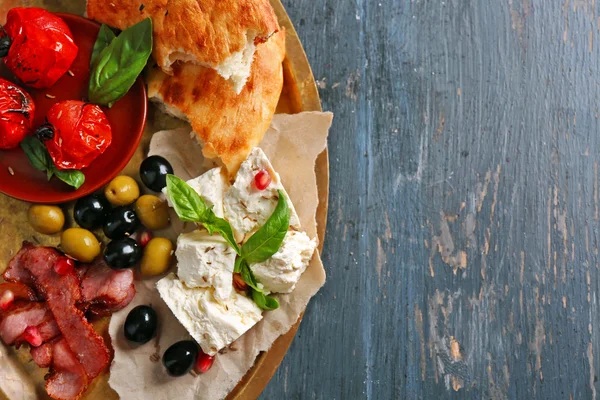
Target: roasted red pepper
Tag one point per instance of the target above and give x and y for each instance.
(37, 46)
(16, 114)
(76, 133)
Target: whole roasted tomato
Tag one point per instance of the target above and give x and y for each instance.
(16, 114)
(75, 134)
(37, 46)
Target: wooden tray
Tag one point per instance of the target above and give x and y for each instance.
(299, 94)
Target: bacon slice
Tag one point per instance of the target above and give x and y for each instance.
(104, 285)
(103, 310)
(20, 291)
(67, 379)
(48, 330)
(62, 292)
(42, 355)
(19, 317)
(16, 272)
(81, 269)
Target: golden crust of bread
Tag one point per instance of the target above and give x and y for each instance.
(229, 125)
(204, 31)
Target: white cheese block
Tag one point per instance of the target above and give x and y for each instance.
(281, 272)
(205, 260)
(246, 207)
(212, 324)
(211, 186)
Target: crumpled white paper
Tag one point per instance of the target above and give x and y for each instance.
(292, 143)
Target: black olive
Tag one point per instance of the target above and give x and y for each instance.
(140, 325)
(121, 222)
(124, 253)
(91, 211)
(154, 171)
(180, 357)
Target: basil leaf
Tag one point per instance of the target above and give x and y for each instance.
(37, 154)
(104, 38)
(71, 177)
(117, 67)
(237, 268)
(267, 240)
(271, 303)
(248, 276)
(190, 207)
(188, 204)
(258, 295)
(40, 159)
(267, 303)
(219, 225)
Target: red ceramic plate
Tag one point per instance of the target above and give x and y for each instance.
(127, 118)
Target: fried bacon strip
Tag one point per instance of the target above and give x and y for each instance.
(67, 379)
(62, 292)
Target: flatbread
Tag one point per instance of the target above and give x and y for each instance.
(229, 125)
(205, 32)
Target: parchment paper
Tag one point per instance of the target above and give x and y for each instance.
(292, 143)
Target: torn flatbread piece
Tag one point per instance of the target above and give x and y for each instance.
(228, 126)
(220, 34)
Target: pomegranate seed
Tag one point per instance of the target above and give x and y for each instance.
(32, 335)
(238, 283)
(64, 266)
(203, 362)
(7, 298)
(144, 237)
(262, 179)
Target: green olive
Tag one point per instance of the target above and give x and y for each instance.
(157, 257)
(122, 191)
(152, 212)
(46, 219)
(80, 244)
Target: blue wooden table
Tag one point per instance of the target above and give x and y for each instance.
(462, 244)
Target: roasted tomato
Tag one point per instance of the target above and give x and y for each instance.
(37, 46)
(16, 114)
(76, 133)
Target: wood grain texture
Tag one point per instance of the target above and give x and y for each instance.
(462, 241)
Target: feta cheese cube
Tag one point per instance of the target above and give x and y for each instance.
(281, 272)
(212, 324)
(204, 261)
(246, 207)
(211, 185)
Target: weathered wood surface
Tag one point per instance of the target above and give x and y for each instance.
(462, 246)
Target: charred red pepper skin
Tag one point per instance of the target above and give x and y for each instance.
(81, 133)
(16, 114)
(42, 48)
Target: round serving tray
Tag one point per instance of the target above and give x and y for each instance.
(299, 94)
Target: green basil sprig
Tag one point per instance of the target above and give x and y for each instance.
(40, 159)
(71, 177)
(267, 240)
(263, 301)
(115, 69)
(248, 276)
(105, 37)
(190, 207)
(262, 245)
(37, 154)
